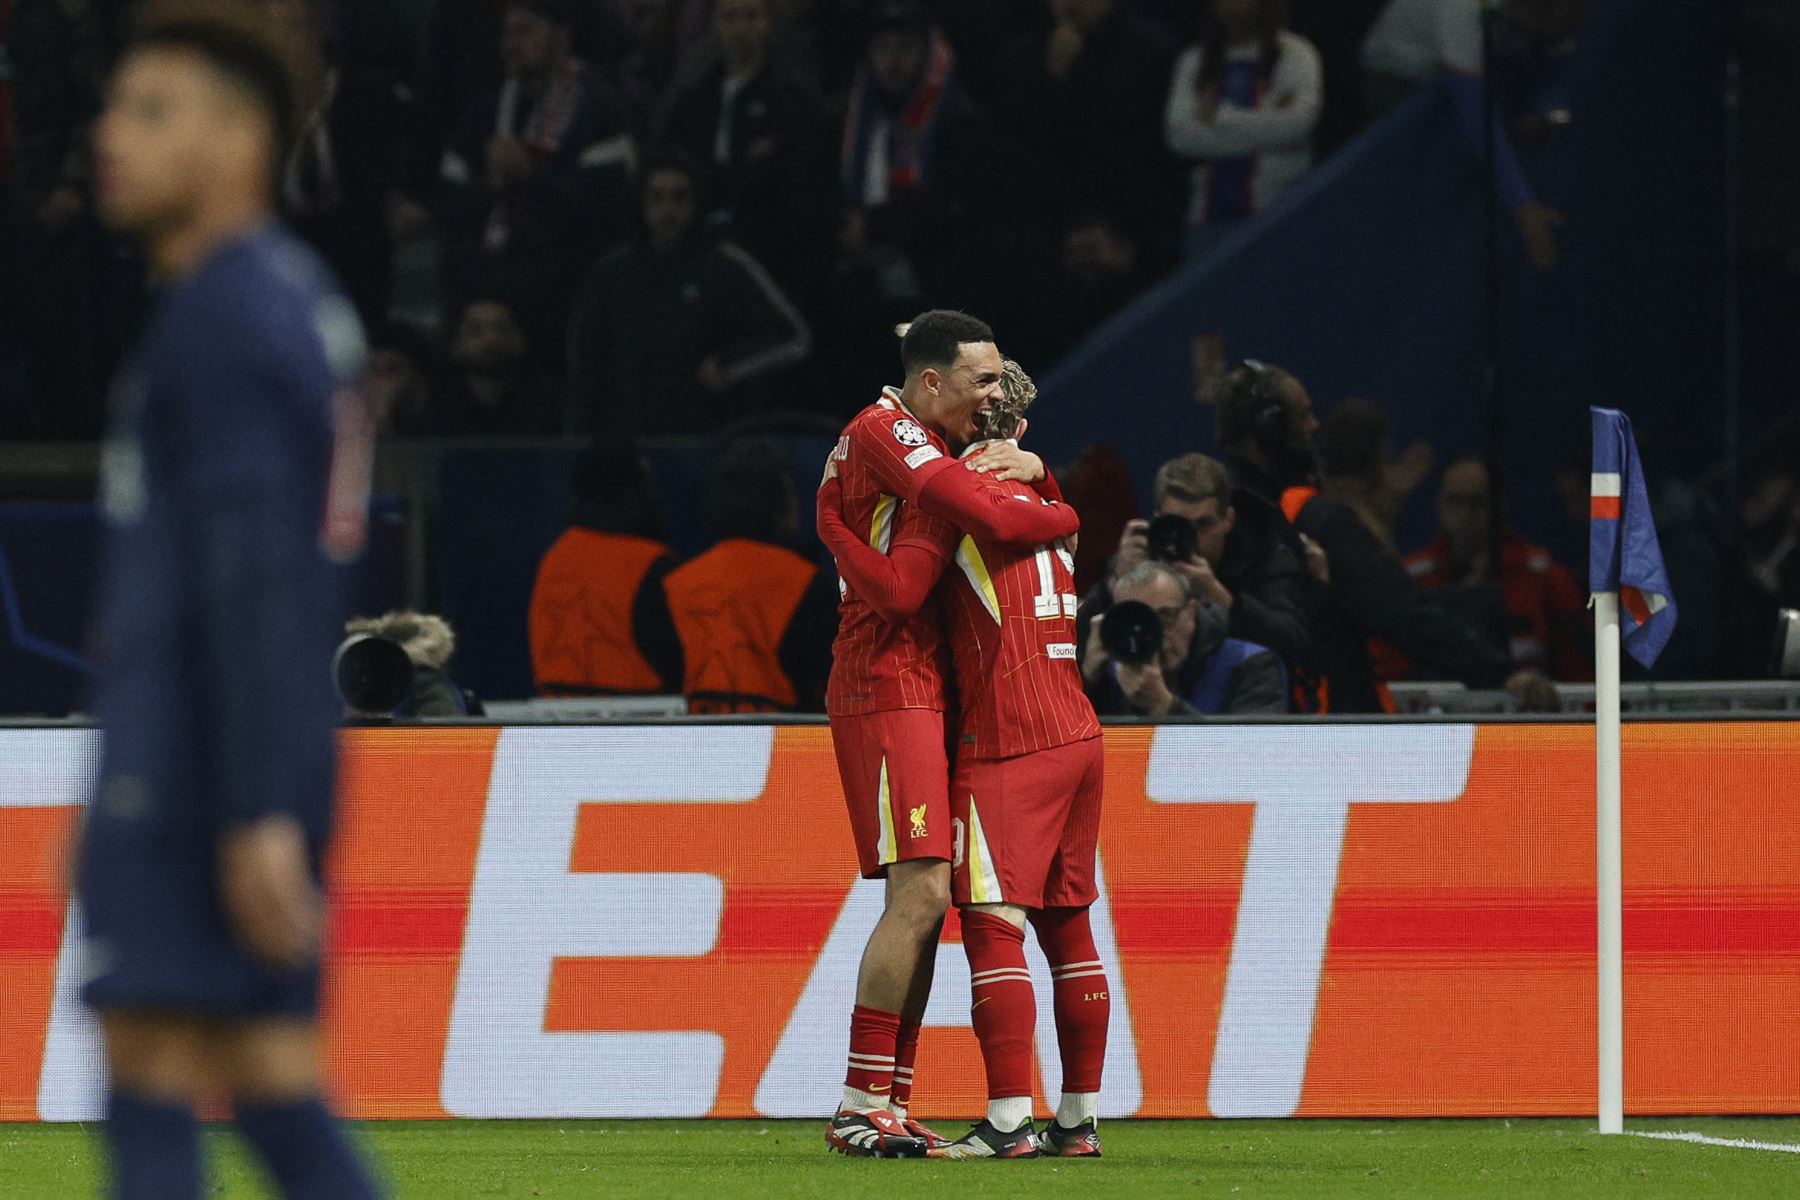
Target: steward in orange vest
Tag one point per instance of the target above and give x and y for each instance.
(755, 617)
(600, 621)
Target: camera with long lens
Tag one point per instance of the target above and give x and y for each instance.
(1172, 539)
(1132, 633)
(373, 674)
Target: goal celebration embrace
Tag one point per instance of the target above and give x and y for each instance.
(955, 551)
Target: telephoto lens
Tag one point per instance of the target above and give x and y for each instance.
(374, 676)
(1132, 633)
(1172, 538)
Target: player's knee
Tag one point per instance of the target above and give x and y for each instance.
(158, 1055)
(921, 896)
(273, 1061)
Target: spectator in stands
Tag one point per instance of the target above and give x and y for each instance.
(1416, 40)
(674, 332)
(1199, 669)
(401, 367)
(493, 387)
(1242, 562)
(756, 619)
(924, 174)
(1241, 109)
(762, 142)
(1087, 95)
(1361, 472)
(1771, 514)
(345, 163)
(1545, 610)
(600, 621)
(537, 176)
(1100, 268)
(1265, 425)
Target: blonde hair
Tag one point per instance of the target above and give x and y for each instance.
(1192, 477)
(1016, 394)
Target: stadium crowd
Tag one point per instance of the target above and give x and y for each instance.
(655, 218)
(774, 183)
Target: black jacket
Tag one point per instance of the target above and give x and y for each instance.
(1102, 123)
(1372, 596)
(775, 193)
(648, 317)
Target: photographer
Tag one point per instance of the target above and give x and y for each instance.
(1231, 548)
(1158, 651)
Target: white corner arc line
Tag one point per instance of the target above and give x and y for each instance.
(1701, 1139)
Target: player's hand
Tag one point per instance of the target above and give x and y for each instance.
(1145, 689)
(265, 881)
(831, 471)
(1005, 461)
(1093, 654)
(1134, 546)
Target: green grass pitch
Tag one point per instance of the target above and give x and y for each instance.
(1235, 1160)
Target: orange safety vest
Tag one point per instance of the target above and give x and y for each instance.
(732, 607)
(582, 642)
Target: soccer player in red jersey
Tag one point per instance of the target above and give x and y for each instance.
(1026, 797)
(886, 698)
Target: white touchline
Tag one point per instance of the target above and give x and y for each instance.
(1701, 1139)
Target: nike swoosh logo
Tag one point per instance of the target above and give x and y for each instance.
(979, 1003)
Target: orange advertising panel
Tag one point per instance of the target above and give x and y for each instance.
(1295, 920)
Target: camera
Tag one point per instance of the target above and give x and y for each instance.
(1172, 539)
(373, 674)
(1132, 633)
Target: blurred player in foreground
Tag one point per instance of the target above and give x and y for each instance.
(236, 471)
(1026, 792)
(886, 698)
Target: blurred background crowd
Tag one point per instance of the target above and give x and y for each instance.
(628, 264)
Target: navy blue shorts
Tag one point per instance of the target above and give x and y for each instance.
(154, 934)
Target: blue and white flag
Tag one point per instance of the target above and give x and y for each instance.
(1623, 554)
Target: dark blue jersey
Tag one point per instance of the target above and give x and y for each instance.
(235, 472)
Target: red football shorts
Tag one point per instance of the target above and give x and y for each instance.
(896, 785)
(1027, 828)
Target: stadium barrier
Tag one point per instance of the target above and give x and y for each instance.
(1367, 920)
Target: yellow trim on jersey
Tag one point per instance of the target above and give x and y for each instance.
(969, 559)
(885, 847)
(881, 525)
(984, 885)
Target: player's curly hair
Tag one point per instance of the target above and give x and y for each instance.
(1016, 394)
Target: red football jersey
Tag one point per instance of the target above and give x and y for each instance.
(1009, 612)
(875, 666)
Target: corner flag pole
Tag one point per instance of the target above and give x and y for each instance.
(1609, 872)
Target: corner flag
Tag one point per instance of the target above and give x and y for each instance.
(1623, 554)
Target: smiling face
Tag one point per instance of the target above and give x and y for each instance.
(964, 390)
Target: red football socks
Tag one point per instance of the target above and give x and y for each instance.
(906, 1048)
(1083, 1001)
(1004, 1013)
(873, 1034)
